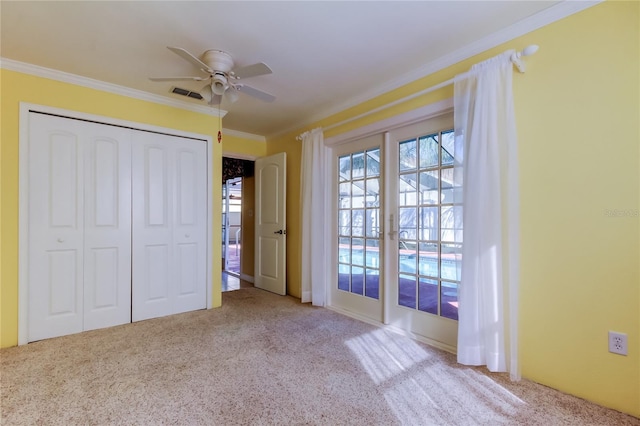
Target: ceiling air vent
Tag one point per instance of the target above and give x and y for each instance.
(185, 92)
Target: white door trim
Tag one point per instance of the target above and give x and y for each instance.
(23, 186)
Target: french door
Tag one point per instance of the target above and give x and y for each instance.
(358, 234)
(406, 276)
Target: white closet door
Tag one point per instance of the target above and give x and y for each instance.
(107, 226)
(55, 250)
(189, 225)
(79, 226)
(152, 189)
(169, 225)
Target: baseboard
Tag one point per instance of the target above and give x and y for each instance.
(306, 297)
(247, 278)
(393, 329)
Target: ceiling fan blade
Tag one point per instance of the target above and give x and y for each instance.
(255, 93)
(189, 57)
(252, 70)
(178, 78)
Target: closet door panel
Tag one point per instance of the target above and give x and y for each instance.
(55, 240)
(107, 284)
(153, 273)
(189, 226)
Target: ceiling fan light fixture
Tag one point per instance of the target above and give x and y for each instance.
(231, 94)
(219, 84)
(206, 93)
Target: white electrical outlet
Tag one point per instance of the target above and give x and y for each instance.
(617, 343)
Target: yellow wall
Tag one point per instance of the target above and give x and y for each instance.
(18, 87)
(239, 147)
(578, 114)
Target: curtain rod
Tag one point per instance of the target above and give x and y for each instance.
(516, 59)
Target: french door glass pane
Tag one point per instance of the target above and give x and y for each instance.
(429, 187)
(344, 250)
(373, 253)
(344, 168)
(373, 193)
(407, 259)
(344, 196)
(428, 260)
(344, 222)
(359, 223)
(449, 300)
(357, 251)
(373, 223)
(357, 194)
(373, 162)
(448, 186)
(429, 151)
(407, 290)
(408, 190)
(447, 147)
(448, 226)
(428, 295)
(357, 162)
(372, 283)
(429, 250)
(344, 277)
(450, 261)
(407, 155)
(407, 223)
(357, 280)
(429, 223)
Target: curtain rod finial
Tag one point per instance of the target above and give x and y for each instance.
(530, 50)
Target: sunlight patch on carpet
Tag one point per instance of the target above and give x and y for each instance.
(384, 355)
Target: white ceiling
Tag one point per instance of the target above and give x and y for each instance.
(325, 55)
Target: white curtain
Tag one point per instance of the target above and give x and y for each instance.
(312, 195)
(488, 293)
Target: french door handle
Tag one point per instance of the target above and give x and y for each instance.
(392, 228)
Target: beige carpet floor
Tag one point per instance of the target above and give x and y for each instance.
(264, 359)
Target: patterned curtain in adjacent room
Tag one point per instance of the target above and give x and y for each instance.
(236, 167)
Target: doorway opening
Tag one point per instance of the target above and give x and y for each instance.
(232, 226)
(238, 228)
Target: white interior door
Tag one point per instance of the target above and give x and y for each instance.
(79, 258)
(270, 212)
(190, 224)
(169, 225)
(56, 222)
(107, 226)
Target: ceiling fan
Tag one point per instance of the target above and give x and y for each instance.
(222, 79)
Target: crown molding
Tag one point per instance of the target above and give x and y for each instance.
(545, 17)
(38, 71)
(244, 135)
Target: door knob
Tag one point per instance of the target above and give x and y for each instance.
(187, 235)
(280, 232)
(60, 240)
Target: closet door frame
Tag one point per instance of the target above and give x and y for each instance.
(23, 214)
